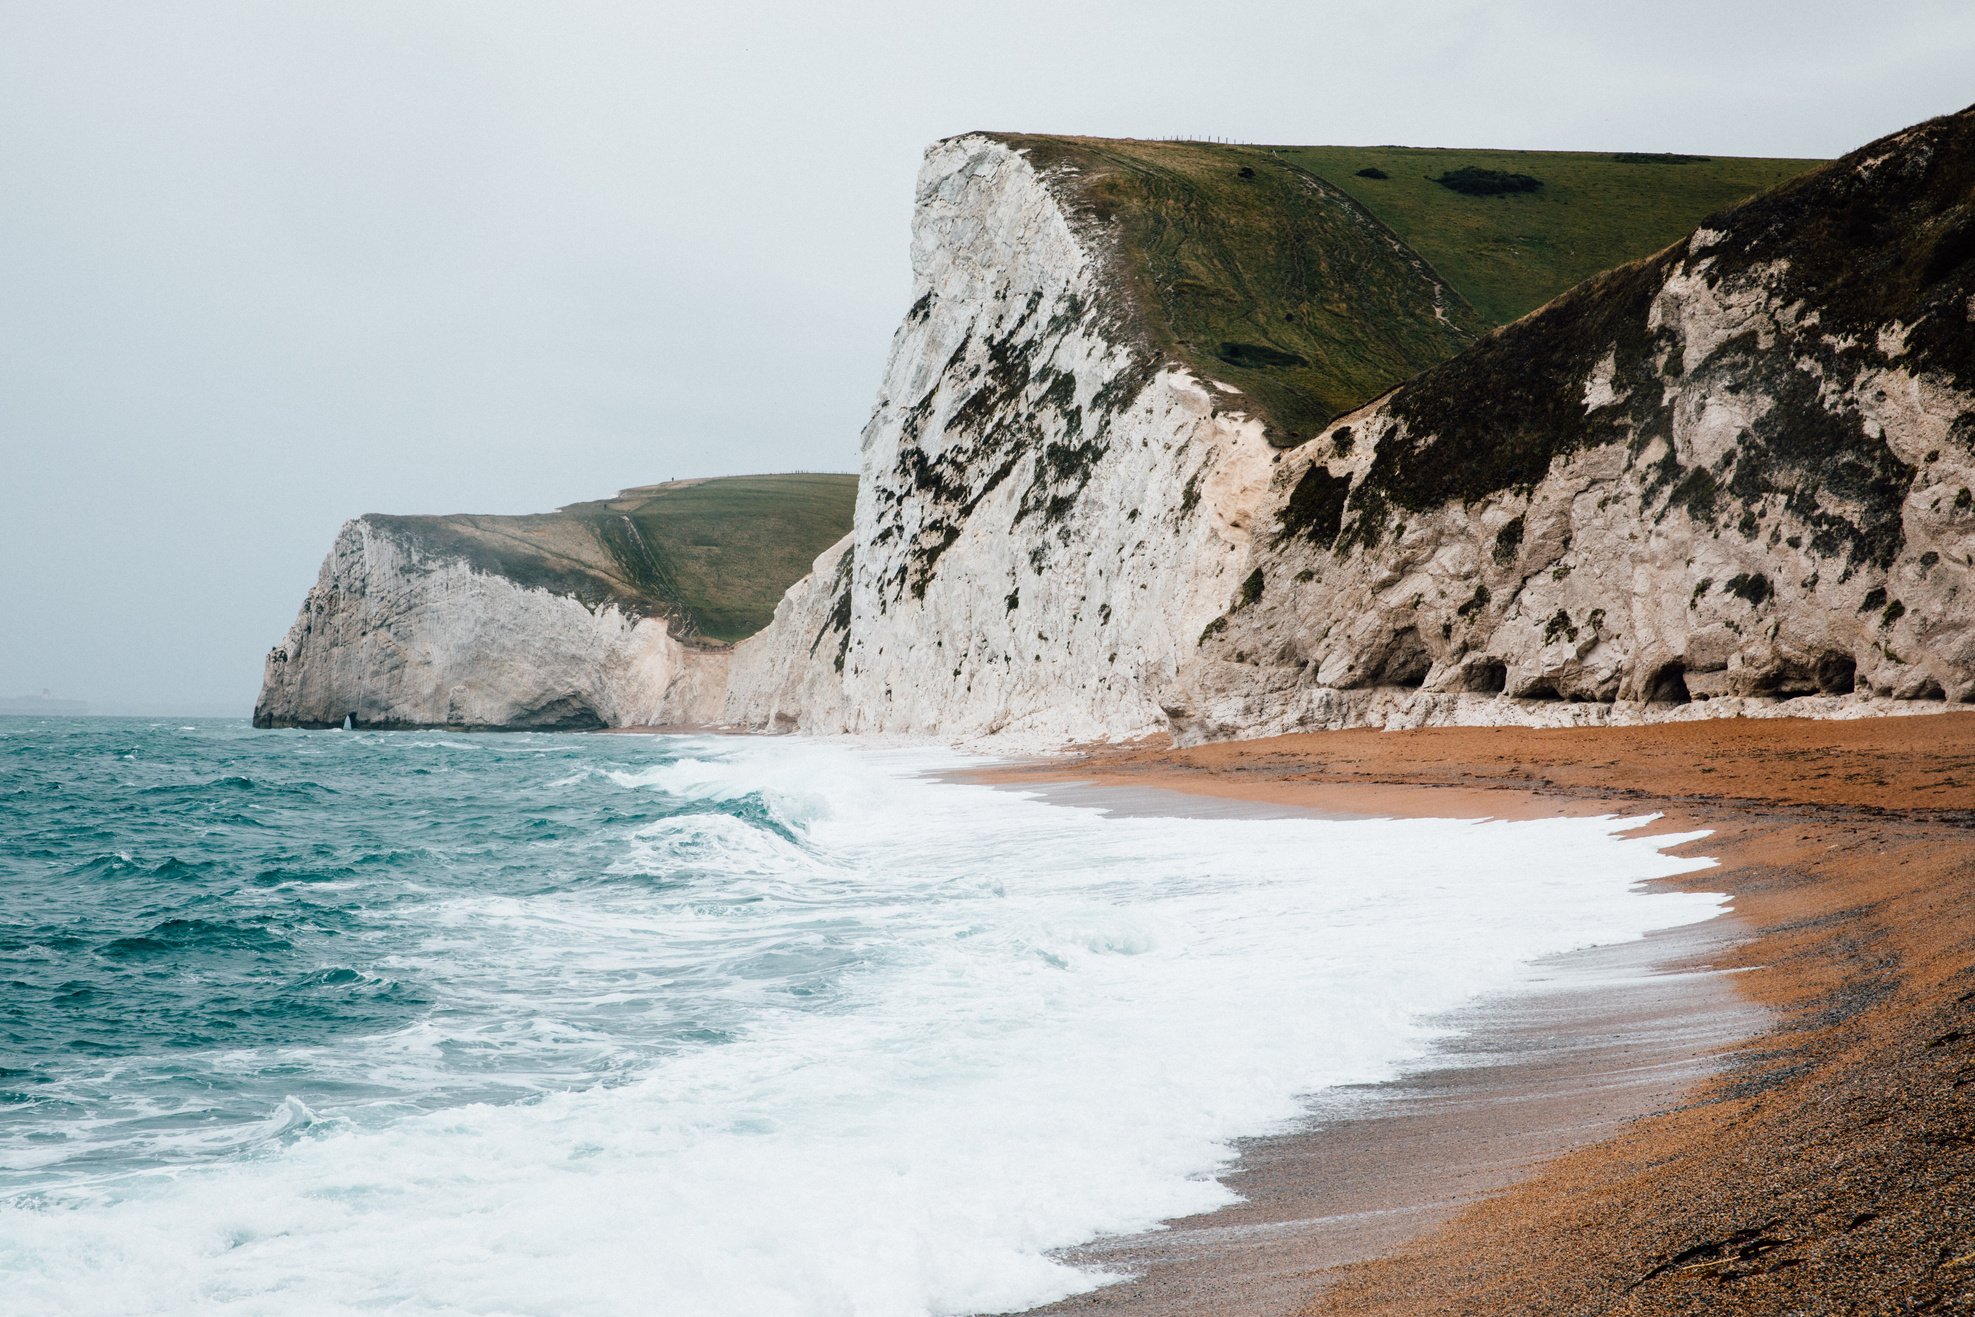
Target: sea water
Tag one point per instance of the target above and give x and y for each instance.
(352, 1022)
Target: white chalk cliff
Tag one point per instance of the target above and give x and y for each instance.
(1740, 501)
(1737, 473)
(1046, 517)
(396, 633)
(1733, 478)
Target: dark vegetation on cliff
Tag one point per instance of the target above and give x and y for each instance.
(1885, 235)
(1317, 278)
(1473, 181)
(713, 555)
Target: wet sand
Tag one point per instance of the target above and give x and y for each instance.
(1774, 1113)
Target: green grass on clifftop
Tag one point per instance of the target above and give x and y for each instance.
(1508, 254)
(1316, 278)
(733, 547)
(715, 556)
(1258, 273)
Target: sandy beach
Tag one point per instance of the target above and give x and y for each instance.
(1771, 1113)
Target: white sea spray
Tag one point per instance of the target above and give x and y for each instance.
(830, 1036)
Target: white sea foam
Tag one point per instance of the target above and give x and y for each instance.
(950, 1030)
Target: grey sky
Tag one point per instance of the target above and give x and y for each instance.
(265, 265)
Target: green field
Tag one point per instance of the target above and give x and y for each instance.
(1269, 280)
(715, 556)
(1284, 272)
(732, 547)
(1507, 255)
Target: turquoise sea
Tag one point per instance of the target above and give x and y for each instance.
(354, 1022)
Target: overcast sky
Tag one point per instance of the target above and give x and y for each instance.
(269, 264)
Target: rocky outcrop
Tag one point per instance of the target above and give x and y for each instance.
(400, 631)
(1730, 478)
(1048, 513)
(1736, 473)
(613, 613)
(791, 673)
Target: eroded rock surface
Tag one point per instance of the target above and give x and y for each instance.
(397, 633)
(1731, 478)
(1736, 472)
(1047, 515)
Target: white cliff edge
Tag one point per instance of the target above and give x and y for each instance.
(394, 636)
(1061, 538)
(1755, 505)
(1046, 518)
(1055, 545)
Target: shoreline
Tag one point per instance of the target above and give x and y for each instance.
(1818, 1155)
(1610, 1034)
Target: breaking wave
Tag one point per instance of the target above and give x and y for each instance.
(350, 1022)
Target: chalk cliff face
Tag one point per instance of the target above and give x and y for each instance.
(612, 613)
(1048, 514)
(397, 632)
(1731, 478)
(1737, 472)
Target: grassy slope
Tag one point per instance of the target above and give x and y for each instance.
(733, 546)
(1510, 254)
(715, 555)
(1272, 281)
(1885, 235)
(1344, 275)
